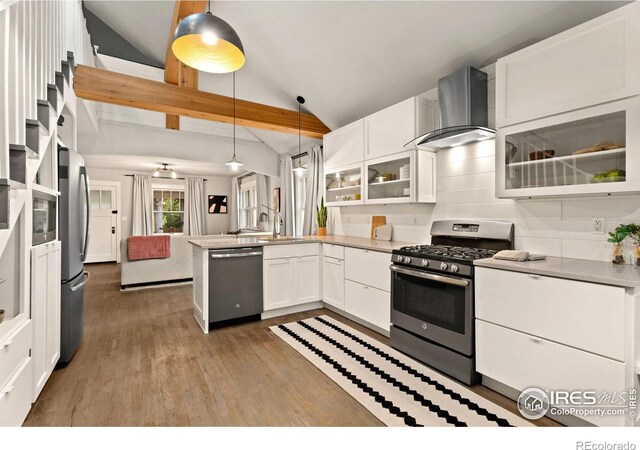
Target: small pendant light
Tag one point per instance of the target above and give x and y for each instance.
(234, 164)
(299, 170)
(208, 43)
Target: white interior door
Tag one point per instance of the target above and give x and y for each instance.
(103, 223)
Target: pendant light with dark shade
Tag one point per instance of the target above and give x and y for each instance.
(208, 43)
(299, 169)
(234, 164)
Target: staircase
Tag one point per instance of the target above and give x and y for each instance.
(36, 81)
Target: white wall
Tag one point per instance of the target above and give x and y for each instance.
(214, 223)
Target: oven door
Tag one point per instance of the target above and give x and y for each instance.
(436, 307)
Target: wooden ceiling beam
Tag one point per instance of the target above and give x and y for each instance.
(175, 72)
(111, 87)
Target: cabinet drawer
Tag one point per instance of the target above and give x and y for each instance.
(367, 303)
(290, 251)
(368, 267)
(13, 351)
(333, 251)
(15, 405)
(587, 316)
(522, 361)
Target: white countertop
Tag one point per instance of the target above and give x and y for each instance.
(624, 275)
(211, 242)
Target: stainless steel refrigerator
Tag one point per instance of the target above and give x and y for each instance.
(73, 233)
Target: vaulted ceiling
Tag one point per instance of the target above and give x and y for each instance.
(350, 59)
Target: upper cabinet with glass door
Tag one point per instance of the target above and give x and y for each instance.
(344, 186)
(407, 177)
(590, 151)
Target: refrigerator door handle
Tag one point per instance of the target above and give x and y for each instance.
(86, 275)
(83, 173)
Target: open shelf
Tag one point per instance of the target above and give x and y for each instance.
(569, 158)
(390, 182)
(345, 188)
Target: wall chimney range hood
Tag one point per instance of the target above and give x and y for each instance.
(462, 112)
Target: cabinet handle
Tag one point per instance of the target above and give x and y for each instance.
(534, 277)
(366, 251)
(366, 287)
(6, 344)
(536, 340)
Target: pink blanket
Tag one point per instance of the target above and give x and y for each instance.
(148, 247)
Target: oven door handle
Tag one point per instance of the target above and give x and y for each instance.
(430, 276)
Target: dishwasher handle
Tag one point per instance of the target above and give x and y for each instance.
(233, 255)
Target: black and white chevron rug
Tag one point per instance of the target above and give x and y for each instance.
(396, 389)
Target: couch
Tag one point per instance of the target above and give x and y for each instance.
(176, 268)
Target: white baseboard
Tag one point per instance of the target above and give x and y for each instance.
(291, 310)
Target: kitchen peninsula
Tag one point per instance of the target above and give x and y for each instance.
(349, 275)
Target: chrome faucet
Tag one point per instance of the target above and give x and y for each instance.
(276, 221)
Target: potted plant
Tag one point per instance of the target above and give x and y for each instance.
(633, 231)
(322, 218)
(616, 237)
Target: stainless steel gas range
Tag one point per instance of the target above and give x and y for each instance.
(432, 304)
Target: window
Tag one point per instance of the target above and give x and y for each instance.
(248, 205)
(168, 211)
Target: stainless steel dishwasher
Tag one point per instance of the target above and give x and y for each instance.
(235, 285)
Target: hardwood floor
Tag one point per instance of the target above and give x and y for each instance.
(145, 362)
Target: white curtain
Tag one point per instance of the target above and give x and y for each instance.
(234, 202)
(263, 196)
(194, 207)
(287, 208)
(314, 189)
(142, 223)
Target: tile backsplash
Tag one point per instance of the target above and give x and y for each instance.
(466, 190)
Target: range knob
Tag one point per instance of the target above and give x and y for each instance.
(407, 259)
(454, 268)
(400, 259)
(425, 262)
(443, 266)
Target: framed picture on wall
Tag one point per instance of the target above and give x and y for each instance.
(217, 204)
(275, 204)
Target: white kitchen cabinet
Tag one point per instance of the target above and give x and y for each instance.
(407, 177)
(344, 186)
(333, 282)
(520, 361)
(291, 275)
(586, 152)
(307, 279)
(368, 303)
(367, 285)
(575, 313)
(368, 267)
(333, 250)
(344, 146)
(15, 396)
(45, 312)
(388, 131)
(278, 283)
(593, 63)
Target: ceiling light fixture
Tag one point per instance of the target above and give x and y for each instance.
(234, 164)
(208, 43)
(299, 170)
(164, 169)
